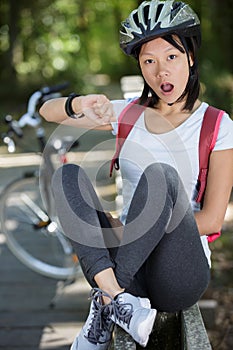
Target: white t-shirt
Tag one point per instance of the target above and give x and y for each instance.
(178, 148)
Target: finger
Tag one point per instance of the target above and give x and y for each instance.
(105, 111)
(93, 116)
(102, 99)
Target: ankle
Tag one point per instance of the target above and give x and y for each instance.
(117, 292)
(107, 282)
(113, 294)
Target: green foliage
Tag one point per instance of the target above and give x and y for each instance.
(48, 41)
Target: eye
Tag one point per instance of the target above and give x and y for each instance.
(171, 57)
(149, 61)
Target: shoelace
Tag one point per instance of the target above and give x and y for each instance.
(100, 321)
(121, 312)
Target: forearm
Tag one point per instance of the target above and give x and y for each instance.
(207, 224)
(54, 110)
(219, 186)
(91, 111)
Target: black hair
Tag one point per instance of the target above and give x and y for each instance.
(189, 45)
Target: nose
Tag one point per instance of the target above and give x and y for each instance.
(161, 70)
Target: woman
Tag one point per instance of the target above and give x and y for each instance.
(160, 260)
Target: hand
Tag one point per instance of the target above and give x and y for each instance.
(97, 108)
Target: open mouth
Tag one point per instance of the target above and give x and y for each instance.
(167, 87)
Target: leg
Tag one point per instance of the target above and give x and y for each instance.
(83, 220)
(88, 228)
(167, 249)
(175, 278)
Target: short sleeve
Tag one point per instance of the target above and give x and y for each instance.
(225, 134)
(118, 106)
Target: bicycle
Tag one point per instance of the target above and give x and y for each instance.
(27, 212)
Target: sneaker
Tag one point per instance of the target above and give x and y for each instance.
(131, 314)
(96, 334)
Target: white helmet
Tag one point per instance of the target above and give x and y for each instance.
(156, 18)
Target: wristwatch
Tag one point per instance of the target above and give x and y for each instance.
(68, 107)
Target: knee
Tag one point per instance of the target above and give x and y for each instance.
(163, 175)
(64, 174)
(166, 170)
(175, 296)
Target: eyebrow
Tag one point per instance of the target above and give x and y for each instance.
(152, 54)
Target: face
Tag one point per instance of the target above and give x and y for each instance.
(165, 69)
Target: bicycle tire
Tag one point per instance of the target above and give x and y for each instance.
(29, 236)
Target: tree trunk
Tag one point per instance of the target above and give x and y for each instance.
(14, 11)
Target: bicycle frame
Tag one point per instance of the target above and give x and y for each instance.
(42, 221)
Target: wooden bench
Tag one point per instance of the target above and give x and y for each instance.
(131, 85)
(172, 331)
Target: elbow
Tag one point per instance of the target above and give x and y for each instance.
(44, 113)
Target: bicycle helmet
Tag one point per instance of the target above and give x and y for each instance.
(156, 18)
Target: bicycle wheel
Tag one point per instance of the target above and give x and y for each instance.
(32, 237)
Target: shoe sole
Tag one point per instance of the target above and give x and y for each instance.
(147, 326)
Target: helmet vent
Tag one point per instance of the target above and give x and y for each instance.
(177, 5)
(159, 9)
(146, 13)
(176, 8)
(136, 19)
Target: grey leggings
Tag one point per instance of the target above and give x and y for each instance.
(160, 255)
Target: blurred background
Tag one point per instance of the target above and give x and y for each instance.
(47, 42)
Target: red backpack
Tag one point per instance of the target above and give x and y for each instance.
(208, 137)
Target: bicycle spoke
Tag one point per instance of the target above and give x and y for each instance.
(31, 236)
(34, 207)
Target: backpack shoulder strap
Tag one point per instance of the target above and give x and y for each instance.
(208, 137)
(126, 121)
